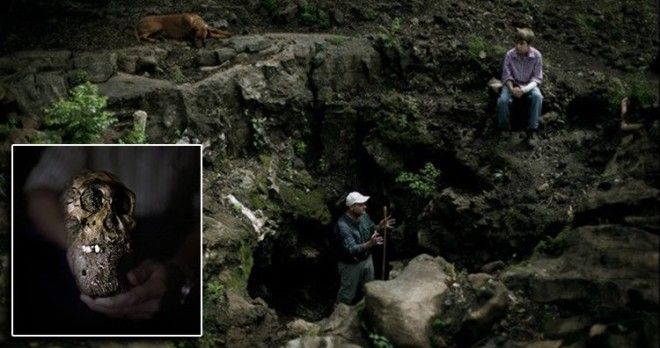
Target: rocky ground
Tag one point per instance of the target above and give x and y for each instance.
(501, 244)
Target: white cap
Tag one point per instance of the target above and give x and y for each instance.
(354, 198)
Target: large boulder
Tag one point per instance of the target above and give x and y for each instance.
(140, 59)
(605, 266)
(248, 322)
(637, 156)
(35, 92)
(445, 216)
(124, 87)
(344, 323)
(159, 98)
(344, 66)
(98, 67)
(402, 309)
(320, 342)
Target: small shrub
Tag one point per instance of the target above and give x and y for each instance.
(586, 22)
(641, 89)
(300, 148)
(423, 183)
(177, 75)
(637, 87)
(338, 40)
(554, 246)
(476, 46)
(78, 77)
(258, 132)
(7, 128)
(379, 341)
(270, 5)
(438, 323)
(400, 122)
(134, 136)
(210, 339)
(81, 118)
(390, 34)
(311, 14)
(214, 291)
(137, 135)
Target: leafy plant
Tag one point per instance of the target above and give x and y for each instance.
(138, 134)
(476, 46)
(423, 183)
(134, 136)
(390, 34)
(258, 132)
(311, 14)
(379, 341)
(78, 77)
(300, 148)
(81, 118)
(177, 75)
(440, 323)
(554, 246)
(641, 89)
(270, 5)
(214, 291)
(7, 128)
(400, 122)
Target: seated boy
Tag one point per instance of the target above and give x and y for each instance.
(522, 74)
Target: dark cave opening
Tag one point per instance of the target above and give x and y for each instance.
(295, 272)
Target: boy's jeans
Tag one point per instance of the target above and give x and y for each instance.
(504, 101)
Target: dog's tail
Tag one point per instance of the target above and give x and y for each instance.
(218, 34)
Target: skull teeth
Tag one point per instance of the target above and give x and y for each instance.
(91, 248)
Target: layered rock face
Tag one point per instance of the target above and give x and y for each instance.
(292, 122)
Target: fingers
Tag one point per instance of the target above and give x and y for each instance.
(144, 311)
(141, 311)
(137, 295)
(141, 301)
(109, 311)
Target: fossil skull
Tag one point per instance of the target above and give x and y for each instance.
(98, 219)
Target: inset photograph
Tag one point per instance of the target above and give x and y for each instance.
(106, 240)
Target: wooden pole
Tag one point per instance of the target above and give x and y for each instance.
(384, 242)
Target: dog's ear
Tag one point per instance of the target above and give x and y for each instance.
(218, 34)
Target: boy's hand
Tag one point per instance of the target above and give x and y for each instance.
(517, 92)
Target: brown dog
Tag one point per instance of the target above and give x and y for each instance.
(177, 26)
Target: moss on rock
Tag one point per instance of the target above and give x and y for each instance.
(305, 203)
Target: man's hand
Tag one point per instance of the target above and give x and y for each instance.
(375, 239)
(517, 92)
(142, 301)
(386, 222)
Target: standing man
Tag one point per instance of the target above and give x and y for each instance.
(356, 234)
(522, 73)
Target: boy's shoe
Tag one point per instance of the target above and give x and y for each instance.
(506, 137)
(532, 139)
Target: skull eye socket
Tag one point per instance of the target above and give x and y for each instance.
(121, 202)
(92, 199)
